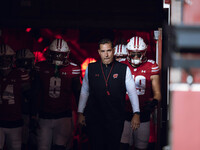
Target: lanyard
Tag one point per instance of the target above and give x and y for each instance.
(106, 79)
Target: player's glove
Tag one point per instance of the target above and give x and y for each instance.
(148, 108)
(150, 105)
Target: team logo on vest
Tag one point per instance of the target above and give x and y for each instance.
(115, 75)
(96, 75)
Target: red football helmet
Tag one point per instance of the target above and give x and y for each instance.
(136, 48)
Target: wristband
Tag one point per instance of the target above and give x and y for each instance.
(137, 112)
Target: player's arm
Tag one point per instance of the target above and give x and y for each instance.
(156, 93)
(29, 93)
(25, 85)
(36, 88)
(130, 87)
(155, 79)
(83, 98)
(34, 106)
(76, 88)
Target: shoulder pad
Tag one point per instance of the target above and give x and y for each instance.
(73, 64)
(151, 61)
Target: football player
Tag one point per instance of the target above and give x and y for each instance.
(14, 84)
(59, 84)
(120, 52)
(25, 61)
(146, 75)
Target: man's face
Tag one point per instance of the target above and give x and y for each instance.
(106, 53)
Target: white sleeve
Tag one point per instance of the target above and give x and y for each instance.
(132, 93)
(84, 93)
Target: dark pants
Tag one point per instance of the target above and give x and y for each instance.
(104, 135)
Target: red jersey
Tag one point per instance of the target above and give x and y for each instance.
(11, 89)
(141, 76)
(56, 86)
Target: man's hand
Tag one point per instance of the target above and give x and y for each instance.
(81, 119)
(135, 122)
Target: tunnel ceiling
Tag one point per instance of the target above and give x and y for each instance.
(120, 14)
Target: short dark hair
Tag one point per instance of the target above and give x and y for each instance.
(105, 41)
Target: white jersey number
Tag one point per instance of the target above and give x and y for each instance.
(140, 83)
(8, 95)
(54, 88)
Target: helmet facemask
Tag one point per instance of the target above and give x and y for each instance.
(136, 58)
(58, 58)
(27, 64)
